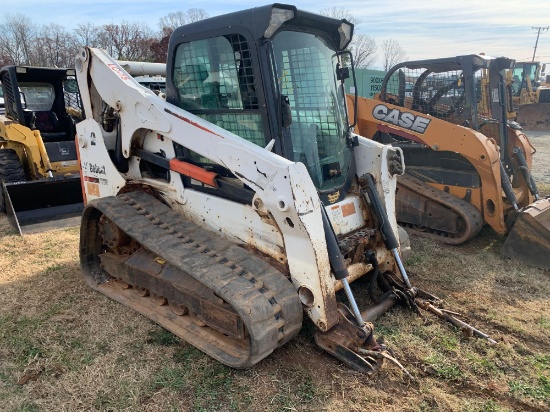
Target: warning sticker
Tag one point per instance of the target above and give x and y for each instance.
(92, 189)
(348, 209)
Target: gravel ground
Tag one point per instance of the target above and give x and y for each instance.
(541, 159)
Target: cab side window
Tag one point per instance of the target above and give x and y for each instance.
(214, 79)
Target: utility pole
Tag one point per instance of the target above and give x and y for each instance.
(537, 42)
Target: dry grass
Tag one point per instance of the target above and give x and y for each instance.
(64, 347)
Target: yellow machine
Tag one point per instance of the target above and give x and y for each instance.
(527, 85)
(39, 171)
(466, 164)
(530, 94)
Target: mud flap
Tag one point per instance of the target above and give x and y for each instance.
(41, 205)
(529, 239)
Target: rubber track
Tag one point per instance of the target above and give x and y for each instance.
(265, 299)
(11, 170)
(468, 213)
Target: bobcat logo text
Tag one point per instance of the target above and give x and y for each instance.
(99, 170)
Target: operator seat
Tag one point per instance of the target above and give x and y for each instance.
(191, 85)
(47, 123)
(193, 76)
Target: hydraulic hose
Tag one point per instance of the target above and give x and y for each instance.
(507, 187)
(385, 227)
(371, 258)
(120, 161)
(526, 173)
(338, 265)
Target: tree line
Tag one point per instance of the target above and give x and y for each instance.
(364, 48)
(52, 45)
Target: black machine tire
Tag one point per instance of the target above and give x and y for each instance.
(135, 242)
(11, 170)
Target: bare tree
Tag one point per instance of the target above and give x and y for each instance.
(393, 53)
(87, 34)
(173, 20)
(159, 48)
(24, 43)
(362, 47)
(55, 47)
(169, 23)
(194, 15)
(126, 41)
(340, 13)
(17, 39)
(179, 18)
(5, 60)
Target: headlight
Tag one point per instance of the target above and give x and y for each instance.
(278, 17)
(345, 30)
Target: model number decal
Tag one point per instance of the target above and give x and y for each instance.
(405, 120)
(118, 71)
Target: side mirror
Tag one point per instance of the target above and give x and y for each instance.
(286, 113)
(342, 73)
(23, 100)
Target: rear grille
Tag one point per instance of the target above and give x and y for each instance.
(9, 97)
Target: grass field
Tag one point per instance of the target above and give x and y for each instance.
(64, 347)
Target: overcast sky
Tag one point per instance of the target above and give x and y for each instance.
(424, 28)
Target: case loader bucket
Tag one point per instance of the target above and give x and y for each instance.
(40, 205)
(529, 239)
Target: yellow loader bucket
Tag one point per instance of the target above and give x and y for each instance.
(40, 205)
(529, 239)
(534, 116)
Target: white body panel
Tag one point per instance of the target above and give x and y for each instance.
(286, 191)
(347, 215)
(373, 157)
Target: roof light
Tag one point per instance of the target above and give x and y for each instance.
(278, 17)
(345, 30)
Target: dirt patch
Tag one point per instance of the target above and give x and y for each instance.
(65, 347)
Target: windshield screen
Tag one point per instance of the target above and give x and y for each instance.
(38, 96)
(521, 72)
(305, 67)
